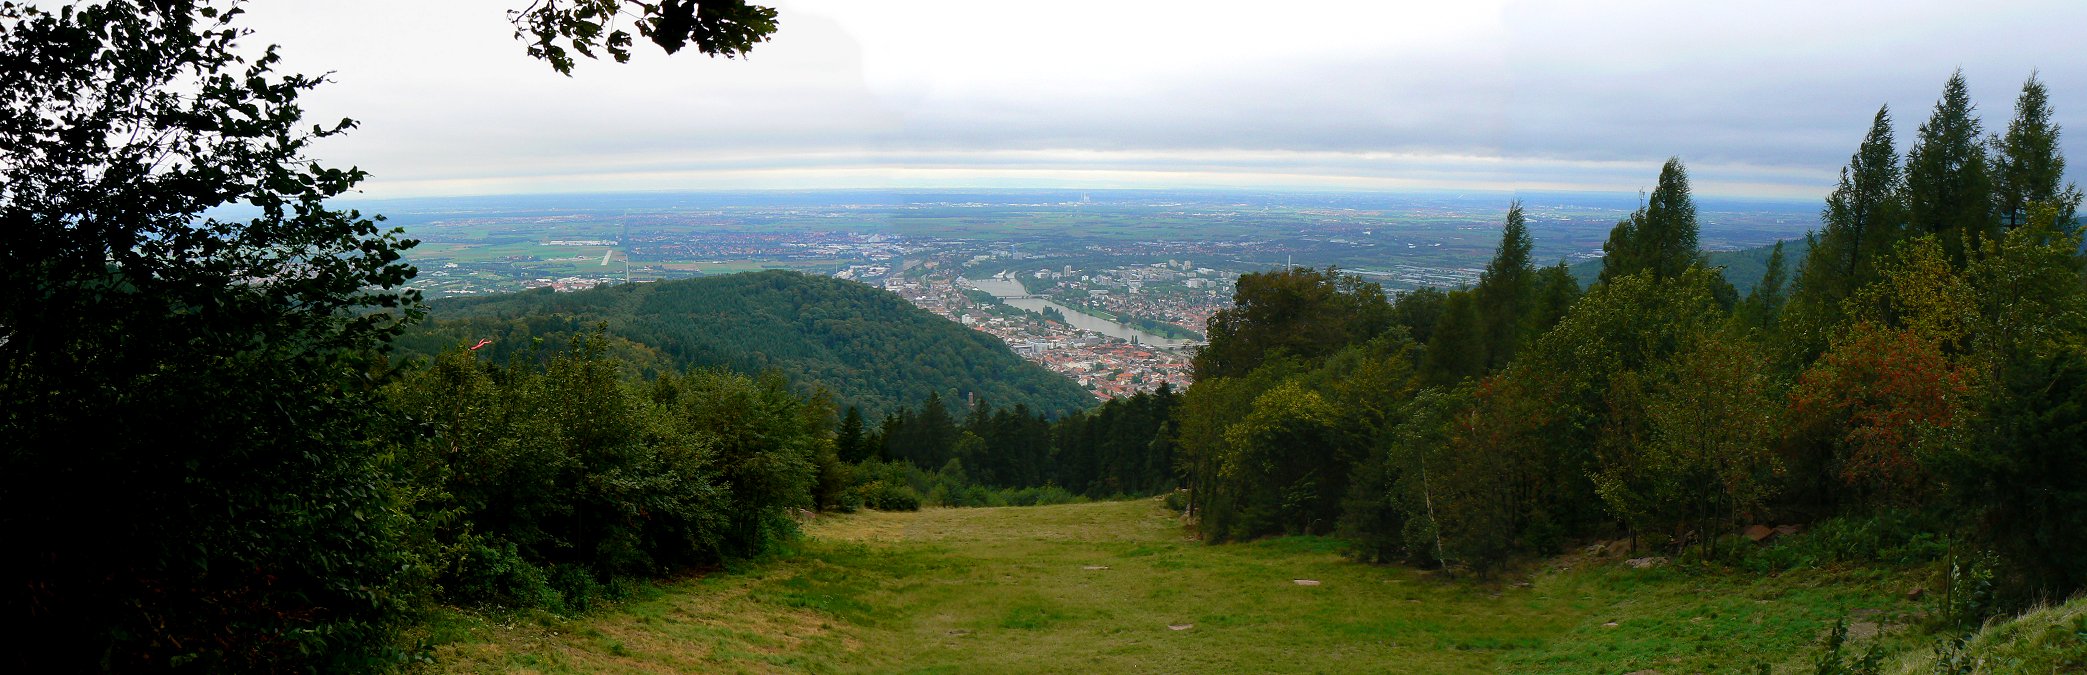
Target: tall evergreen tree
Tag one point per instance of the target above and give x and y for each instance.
(1504, 291)
(1766, 301)
(1660, 236)
(2027, 165)
(1949, 188)
(1861, 219)
(928, 438)
(849, 442)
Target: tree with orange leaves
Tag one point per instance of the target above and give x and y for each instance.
(1861, 411)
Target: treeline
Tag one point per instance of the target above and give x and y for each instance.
(1922, 371)
(1122, 448)
(863, 346)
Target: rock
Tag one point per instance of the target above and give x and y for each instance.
(1610, 624)
(1759, 533)
(1646, 562)
(1180, 626)
(1916, 594)
(1305, 582)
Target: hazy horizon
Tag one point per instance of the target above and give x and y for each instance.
(1764, 101)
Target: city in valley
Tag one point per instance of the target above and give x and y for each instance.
(1110, 288)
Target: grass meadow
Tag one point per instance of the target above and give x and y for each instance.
(1124, 587)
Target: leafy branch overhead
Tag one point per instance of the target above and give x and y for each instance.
(555, 30)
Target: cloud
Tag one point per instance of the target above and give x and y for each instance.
(1761, 99)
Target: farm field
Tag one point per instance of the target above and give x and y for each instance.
(1121, 587)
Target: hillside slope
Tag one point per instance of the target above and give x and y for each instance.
(1743, 268)
(867, 347)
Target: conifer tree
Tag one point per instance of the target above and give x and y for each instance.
(1766, 301)
(1504, 290)
(848, 443)
(2028, 167)
(1660, 236)
(1949, 188)
(1862, 218)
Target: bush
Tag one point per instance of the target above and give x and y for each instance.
(1177, 500)
(541, 483)
(484, 574)
(884, 496)
(1891, 537)
(1039, 496)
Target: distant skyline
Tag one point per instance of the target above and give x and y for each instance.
(1764, 99)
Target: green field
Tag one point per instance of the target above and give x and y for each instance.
(1121, 587)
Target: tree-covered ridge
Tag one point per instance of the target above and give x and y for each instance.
(1917, 377)
(868, 348)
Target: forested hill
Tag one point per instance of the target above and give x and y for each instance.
(869, 348)
(1742, 268)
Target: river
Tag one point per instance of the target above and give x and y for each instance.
(1012, 293)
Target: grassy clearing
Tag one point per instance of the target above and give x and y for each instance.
(1102, 587)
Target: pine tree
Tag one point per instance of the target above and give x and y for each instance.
(1660, 236)
(1504, 290)
(2028, 167)
(1670, 237)
(1620, 256)
(935, 433)
(1862, 218)
(1766, 301)
(1949, 189)
(848, 443)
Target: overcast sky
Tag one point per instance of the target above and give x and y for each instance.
(1764, 98)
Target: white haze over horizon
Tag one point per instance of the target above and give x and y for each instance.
(1760, 99)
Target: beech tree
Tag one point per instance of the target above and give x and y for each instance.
(1861, 411)
(1712, 417)
(1300, 311)
(557, 30)
(188, 407)
(1457, 350)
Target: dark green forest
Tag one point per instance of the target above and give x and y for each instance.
(866, 348)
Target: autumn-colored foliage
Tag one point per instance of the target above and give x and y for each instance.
(1870, 398)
